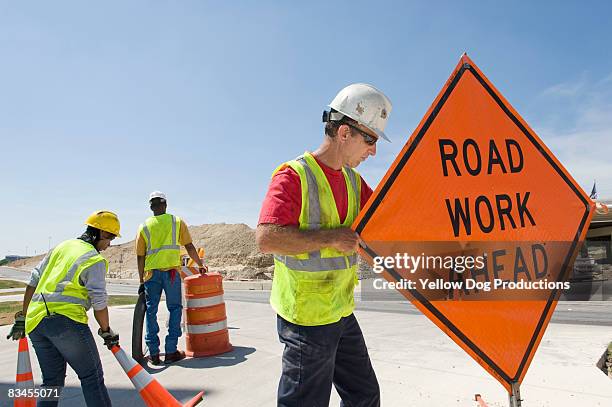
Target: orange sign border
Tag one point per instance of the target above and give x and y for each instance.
(467, 66)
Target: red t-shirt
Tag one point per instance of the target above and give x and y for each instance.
(283, 202)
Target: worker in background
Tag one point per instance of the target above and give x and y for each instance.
(62, 288)
(305, 222)
(158, 255)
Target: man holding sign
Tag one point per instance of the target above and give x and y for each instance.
(305, 222)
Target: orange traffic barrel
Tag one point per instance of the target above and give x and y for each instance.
(205, 315)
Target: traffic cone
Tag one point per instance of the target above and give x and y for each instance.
(24, 379)
(152, 393)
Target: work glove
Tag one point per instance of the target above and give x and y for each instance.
(18, 329)
(110, 338)
(141, 289)
(203, 269)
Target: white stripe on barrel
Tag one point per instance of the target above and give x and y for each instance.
(207, 328)
(204, 302)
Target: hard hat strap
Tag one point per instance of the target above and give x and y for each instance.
(331, 116)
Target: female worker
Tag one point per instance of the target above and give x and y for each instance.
(68, 281)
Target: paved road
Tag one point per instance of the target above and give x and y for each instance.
(112, 288)
(567, 312)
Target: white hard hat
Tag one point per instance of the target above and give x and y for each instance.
(157, 194)
(364, 104)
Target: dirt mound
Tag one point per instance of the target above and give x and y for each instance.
(231, 250)
(27, 263)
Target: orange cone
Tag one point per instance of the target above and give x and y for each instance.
(24, 378)
(152, 393)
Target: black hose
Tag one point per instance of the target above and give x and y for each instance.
(137, 329)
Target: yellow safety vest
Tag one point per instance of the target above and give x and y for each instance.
(316, 288)
(59, 284)
(161, 235)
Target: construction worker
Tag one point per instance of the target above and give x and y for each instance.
(158, 255)
(305, 222)
(68, 281)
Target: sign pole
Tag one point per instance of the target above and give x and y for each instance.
(515, 396)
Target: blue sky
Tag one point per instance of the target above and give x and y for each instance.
(103, 103)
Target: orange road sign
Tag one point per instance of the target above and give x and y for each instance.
(475, 178)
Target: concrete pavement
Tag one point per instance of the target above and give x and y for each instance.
(416, 364)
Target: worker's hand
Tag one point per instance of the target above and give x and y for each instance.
(141, 289)
(110, 338)
(345, 240)
(18, 329)
(203, 269)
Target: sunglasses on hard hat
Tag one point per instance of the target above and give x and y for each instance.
(369, 139)
(107, 235)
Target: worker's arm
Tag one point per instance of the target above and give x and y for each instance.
(141, 255)
(140, 262)
(193, 253)
(93, 279)
(18, 328)
(101, 316)
(185, 240)
(289, 240)
(27, 297)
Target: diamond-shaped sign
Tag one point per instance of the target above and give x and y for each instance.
(474, 178)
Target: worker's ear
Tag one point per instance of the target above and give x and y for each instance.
(344, 132)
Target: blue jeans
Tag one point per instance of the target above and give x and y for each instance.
(317, 356)
(58, 339)
(153, 290)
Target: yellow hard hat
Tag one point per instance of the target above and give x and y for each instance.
(104, 220)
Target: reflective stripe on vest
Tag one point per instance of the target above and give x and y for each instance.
(316, 288)
(58, 297)
(314, 206)
(316, 263)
